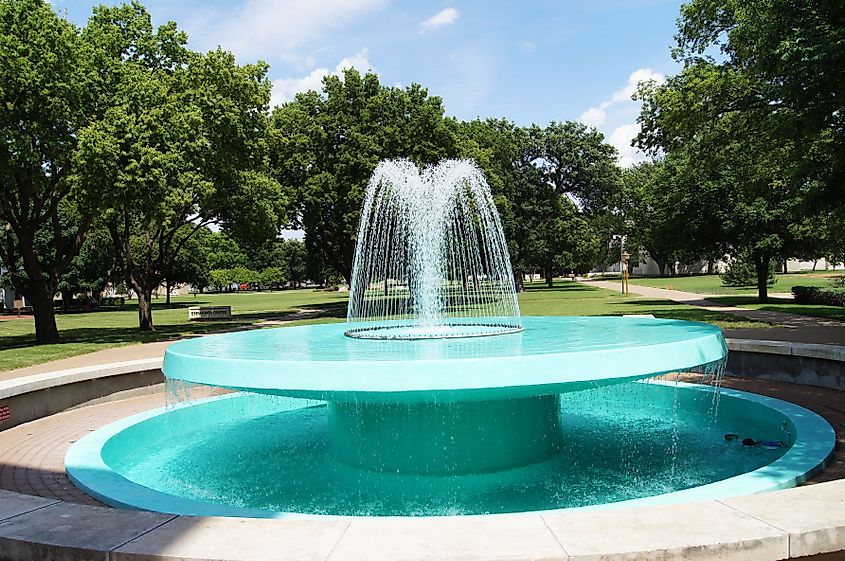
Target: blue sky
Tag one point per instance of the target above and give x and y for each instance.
(531, 62)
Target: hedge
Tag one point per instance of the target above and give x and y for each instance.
(814, 295)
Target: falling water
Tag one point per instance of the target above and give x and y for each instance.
(431, 258)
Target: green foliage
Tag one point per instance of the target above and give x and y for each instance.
(794, 52)
(741, 271)
(45, 101)
(93, 268)
(182, 144)
(816, 295)
(242, 275)
(762, 128)
(272, 277)
(733, 170)
(220, 278)
(535, 174)
(326, 145)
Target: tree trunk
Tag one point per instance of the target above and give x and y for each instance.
(41, 298)
(168, 288)
(145, 309)
(761, 263)
(816, 262)
(67, 300)
(710, 266)
(550, 279)
(518, 282)
(661, 267)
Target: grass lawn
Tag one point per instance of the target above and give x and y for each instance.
(784, 305)
(712, 284)
(92, 331)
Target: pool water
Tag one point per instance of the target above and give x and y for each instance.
(273, 453)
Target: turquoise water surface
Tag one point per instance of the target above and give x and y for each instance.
(272, 453)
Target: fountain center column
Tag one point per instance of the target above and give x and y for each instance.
(445, 438)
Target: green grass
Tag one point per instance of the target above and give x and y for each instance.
(784, 305)
(92, 331)
(572, 299)
(712, 284)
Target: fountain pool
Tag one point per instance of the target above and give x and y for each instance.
(437, 398)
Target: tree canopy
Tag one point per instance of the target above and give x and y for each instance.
(327, 144)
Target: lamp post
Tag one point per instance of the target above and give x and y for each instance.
(625, 257)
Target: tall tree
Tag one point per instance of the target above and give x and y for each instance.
(44, 102)
(577, 162)
(712, 120)
(793, 52)
(181, 145)
(507, 153)
(327, 145)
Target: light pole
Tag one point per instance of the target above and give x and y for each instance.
(622, 259)
(625, 257)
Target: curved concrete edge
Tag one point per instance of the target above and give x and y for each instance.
(35, 382)
(807, 350)
(792, 523)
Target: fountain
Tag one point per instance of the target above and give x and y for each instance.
(436, 397)
(431, 259)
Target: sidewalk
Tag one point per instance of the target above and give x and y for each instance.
(790, 327)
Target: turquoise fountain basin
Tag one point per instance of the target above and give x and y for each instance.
(632, 444)
(557, 416)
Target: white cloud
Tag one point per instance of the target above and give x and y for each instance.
(284, 89)
(276, 28)
(441, 18)
(527, 47)
(593, 117)
(618, 115)
(621, 138)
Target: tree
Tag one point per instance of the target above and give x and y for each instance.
(91, 270)
(296, 260)
(763, 125)
(577, 162)
(181, 145)
(668, 214)
(535, 175)
(242, 275)
(326, 146)
(221, 279)
(272, 276)
(44, 102)
(507, 154)
(793, 51)
(711, 121)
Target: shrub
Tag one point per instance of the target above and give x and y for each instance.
(814, 295)
(741, 272)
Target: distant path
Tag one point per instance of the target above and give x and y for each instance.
(791, 327)
(139, 351)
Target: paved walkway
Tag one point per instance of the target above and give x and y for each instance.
(790, 327)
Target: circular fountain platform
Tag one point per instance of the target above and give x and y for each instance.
(552, 355)
(445, 406)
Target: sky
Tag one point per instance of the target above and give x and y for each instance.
(530, 62)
